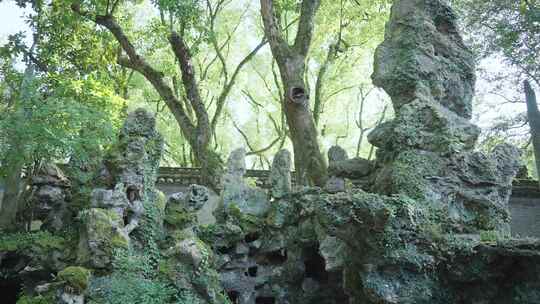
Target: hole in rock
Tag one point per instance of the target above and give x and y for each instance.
(9, 290)
(252, 271)
(273, 258)
(265, 300)
(251, 237)
(132, 194)
(225, 250)
(126, 218)
(442, 25)
(315, 265)
(233, 296)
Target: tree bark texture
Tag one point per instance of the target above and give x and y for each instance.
(533, 116)
(310, 164)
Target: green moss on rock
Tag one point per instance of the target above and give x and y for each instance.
(76, 277)
(101, 233)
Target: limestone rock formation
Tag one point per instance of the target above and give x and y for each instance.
(236, 193)
(426, 151)
(51, 197)
(131, 169)
(423, 58)
(181, 209)
(430, 227)
(102, 232)
(280, 174)
(75, 280)
(428, 72)
(340, 168)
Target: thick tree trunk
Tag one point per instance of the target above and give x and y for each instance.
(309, 162)
(534, 123)
(12, 191)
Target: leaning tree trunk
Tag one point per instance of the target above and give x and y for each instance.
(533, 116)
(309, 163)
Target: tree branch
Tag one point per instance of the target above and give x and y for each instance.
(137, 63)
(189, 81)
(228, 86)
(305, 26)
(272, 29)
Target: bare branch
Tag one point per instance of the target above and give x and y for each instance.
(227, 88)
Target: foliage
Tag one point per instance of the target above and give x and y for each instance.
(133, 281)
(511, 28)
(69, 121)
(76, 277)
(39, 299)
(505, 36)
(63, 105)
(29, 241)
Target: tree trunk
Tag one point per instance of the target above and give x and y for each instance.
(12, 191)
(309, 163)
(534, 123)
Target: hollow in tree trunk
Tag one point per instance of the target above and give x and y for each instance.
(309, 162)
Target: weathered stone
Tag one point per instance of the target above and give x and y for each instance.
(336, 153)
(191, 251)
(473, 188)
(354, 168)
(236, 163)
(134, 160)
(130, 168)
(280, 174)
(75, 278)
(423, 56)
(51, 198)
(196, 197)
(428, 72)
(114, 199)
(182, 209)
(69, 298)
(425, 125)
(236, 194)
(189, 267)
(332, 249)
(101, 232)
(50, 174)
(335, 184)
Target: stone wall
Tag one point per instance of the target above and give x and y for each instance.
(525, 216)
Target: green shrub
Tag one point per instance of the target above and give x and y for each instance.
(39, 299)
(30, 240)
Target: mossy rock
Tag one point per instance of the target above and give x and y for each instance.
(100, 234)
(248, 223)
(76, 277)
(178, 217)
